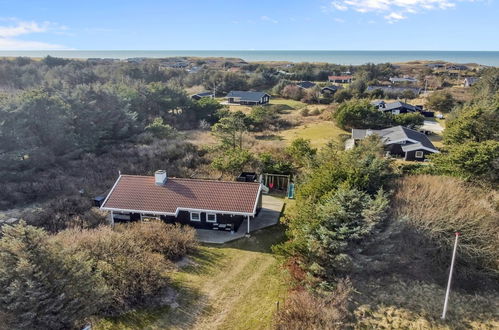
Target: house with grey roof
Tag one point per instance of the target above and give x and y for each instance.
(202, 95)
(330, 89)
(457, 67)
(399, 141)
(389, 90)
(247, 97)
(395, 80)
(306, 84)
(396, 107)
(436, 65)
(469, 81)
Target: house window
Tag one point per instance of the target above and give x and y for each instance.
(195, 216)
(211, 217)
(419, 154)
(149, 217)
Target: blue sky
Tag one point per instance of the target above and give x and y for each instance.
(243, 25)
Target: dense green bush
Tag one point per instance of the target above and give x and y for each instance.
(471, 161)
(440, 101)
(362, 114)
(232, 161)
(339, 201)
(42, 286)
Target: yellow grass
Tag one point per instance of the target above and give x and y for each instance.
(319, 133)
(291, 103)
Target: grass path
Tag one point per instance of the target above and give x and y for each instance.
(234, 286)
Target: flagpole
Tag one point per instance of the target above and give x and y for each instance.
(450, 278)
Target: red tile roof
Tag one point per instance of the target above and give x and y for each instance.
(140, 193)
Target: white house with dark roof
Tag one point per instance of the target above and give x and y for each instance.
(399, 141)
(343, 79)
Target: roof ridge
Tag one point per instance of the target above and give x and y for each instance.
(187, 179)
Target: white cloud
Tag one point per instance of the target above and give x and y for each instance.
(394, 17)
(16, 28)
(339, 6)
(339, 20)
(268, 19)
(13, 44)
(395, 10)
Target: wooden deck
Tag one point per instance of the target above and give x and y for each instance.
(268, 216)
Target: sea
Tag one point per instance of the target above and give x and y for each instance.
(345, 57)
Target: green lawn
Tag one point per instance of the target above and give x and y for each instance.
(291, 103)
(233, 286)
(319, 133)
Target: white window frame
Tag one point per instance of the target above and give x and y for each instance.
(199, 216)
(208, 216)
(420, 153)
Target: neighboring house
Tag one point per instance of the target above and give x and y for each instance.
(469, 81)
(175, 65)
(136, 59)
(457, 67)
(436, 65)
(395, 90)
(395, 80)
(345, 79)
(283, 72)
(396, 107)
(194, 69)
(306, 84)
(205, 204)
(102, 60)
(399, 141)
(247, 97)
(330, 89)
(199, 96)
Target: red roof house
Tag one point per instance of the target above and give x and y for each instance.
(200, 203)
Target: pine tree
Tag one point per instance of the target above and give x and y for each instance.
(41, 285)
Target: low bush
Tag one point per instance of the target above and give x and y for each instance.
(305, 112)
(172, 241)
(131, 259)
(130, 272)
(59, 281)
(304, 310)
(439, 206)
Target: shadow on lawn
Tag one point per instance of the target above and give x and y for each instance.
(259, 241)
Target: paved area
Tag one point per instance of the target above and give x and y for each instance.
(432, 126)
(268, 216)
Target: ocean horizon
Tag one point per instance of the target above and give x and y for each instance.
(345, 57)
